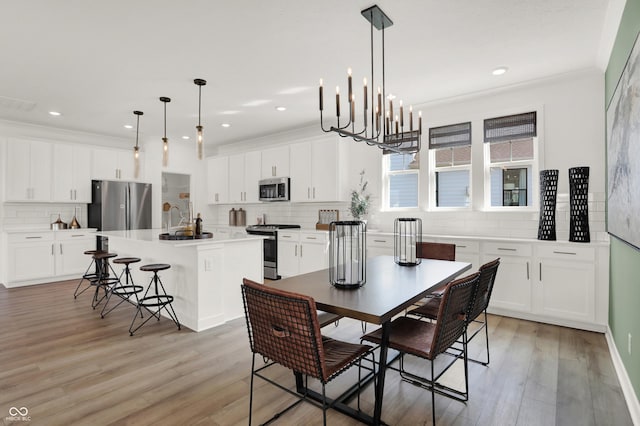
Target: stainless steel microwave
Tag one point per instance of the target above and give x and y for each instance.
(274, 189)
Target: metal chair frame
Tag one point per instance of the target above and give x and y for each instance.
(87, 276)
(123, 290)
(106, 277)
(158, 300)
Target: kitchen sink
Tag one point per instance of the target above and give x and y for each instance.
(178, 236)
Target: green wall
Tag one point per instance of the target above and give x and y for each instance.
(624, 293)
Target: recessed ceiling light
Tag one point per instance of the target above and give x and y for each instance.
(128, 126)
(185, 137)
(499, 71)
(55, 113)
(281, 108)
(226, 125)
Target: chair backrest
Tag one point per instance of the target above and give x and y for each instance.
(283, 327)
(455, 304)
(488, 273)
(438, 251)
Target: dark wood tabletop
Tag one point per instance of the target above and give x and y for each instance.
(389, 288)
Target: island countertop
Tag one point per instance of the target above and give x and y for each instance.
(153, 236)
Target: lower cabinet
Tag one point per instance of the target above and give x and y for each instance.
(379, 245)
(302, 252)
(512, 288)
(40, 257)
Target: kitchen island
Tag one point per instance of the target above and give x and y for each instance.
(205, 274)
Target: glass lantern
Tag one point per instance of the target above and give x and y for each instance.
(347, 253)
(407, 237)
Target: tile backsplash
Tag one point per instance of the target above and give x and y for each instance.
(40, 215)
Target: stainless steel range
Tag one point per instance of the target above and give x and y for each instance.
(270, 246)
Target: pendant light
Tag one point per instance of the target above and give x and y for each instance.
(199, 142)
(136, 149)
(165, 141)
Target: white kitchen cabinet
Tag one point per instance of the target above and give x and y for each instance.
(244, 174)
(564, 284)
(379, 245)
(466, 251)
(275, 162)
(316, 171)
(218, 180)
(301, 252)
(114, 164)
(28, 171)
(512, 288)
(71, 173)
(38, 257)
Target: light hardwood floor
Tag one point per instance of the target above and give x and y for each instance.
(68, 366)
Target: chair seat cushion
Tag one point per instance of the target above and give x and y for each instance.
(408, 335)
(339, 355)
(429, 309)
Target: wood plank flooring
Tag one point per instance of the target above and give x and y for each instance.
(68, 366)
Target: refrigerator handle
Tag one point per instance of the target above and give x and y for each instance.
(127, 207)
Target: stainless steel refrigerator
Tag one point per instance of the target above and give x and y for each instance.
(118, 206)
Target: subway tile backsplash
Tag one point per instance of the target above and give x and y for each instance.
(40, 216)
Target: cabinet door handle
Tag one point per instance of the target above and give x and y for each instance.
(77, 235)
(314, 192)
(461, 246)
(286, 236)
(564, 252)
(527, 269)
(61, 249)
(540, 270)
(71, 194)
(311, 238)
(301, 250)
(507, 249)
(296, 251)
(33, 238)
(52, 249)
(75, 194)
(308, 192)
(379, 241)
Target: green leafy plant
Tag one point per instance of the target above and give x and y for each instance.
(360, 199)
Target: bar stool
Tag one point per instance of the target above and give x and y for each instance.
(124, 289)
(105, 278)
(156, 302)
(89, 276)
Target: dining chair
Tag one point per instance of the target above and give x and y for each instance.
(428, 340)
(478, 313)
(284, 329)
(438, 251)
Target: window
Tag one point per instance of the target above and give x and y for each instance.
(450, 155)
(510, 147)
(401, 180)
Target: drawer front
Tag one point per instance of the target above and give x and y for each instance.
(314, 237)
(506, 248)
(74, 235)
(462, 246)
(30, 237)
(587, 254)
(385, 241)
(288, 236)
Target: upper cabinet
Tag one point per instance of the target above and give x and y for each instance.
(72, 173)
(244, 174)
(275, 162)
(316, 169)
(114, 164)
(28, 171)
(218, 180)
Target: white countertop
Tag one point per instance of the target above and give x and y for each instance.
(43, 230)
(153, 236)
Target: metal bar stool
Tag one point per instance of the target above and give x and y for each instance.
(106, 277)
(88, 276)
(156, 302)
(124, 289)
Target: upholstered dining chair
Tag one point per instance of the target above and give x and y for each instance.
(284, 329)
(428, 340)
(478, 313)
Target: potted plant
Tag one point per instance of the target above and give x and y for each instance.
(360, 199)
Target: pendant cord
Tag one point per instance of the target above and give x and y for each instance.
(165, 120)
(199, 103)
(137, 129)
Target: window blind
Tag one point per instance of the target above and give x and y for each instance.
(510, 127)
(450, 135)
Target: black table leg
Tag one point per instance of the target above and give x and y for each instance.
(384, 344)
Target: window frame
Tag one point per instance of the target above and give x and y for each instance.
(386, 185)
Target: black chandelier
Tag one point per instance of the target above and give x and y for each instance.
(381, 127)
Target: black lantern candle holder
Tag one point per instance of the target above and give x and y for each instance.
(347, 253)
(407, 237)
(548, 194)
(579, 205)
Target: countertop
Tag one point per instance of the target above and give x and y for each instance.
(152, 236)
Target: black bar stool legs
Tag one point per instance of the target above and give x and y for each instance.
(87, 276)
(106, 278)
(124, 288)
(154, 303)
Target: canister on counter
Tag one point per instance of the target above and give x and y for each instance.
(232, 217)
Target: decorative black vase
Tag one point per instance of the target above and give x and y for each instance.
(578, 204)
(548, 193)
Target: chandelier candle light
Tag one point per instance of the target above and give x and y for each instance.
(165, 141)
(136, 149)
(199, 144)
(391, 134)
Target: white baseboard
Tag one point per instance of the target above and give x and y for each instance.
(627, 388)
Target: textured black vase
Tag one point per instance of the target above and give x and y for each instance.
(548, 193)
(578, 204)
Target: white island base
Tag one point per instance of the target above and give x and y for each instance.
(205, 275)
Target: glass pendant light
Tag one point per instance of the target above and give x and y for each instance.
(136, 149)
(199, 142)
(165, 141)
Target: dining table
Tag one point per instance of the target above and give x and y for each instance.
(389, 289)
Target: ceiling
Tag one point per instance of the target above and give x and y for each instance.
(96, 62)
